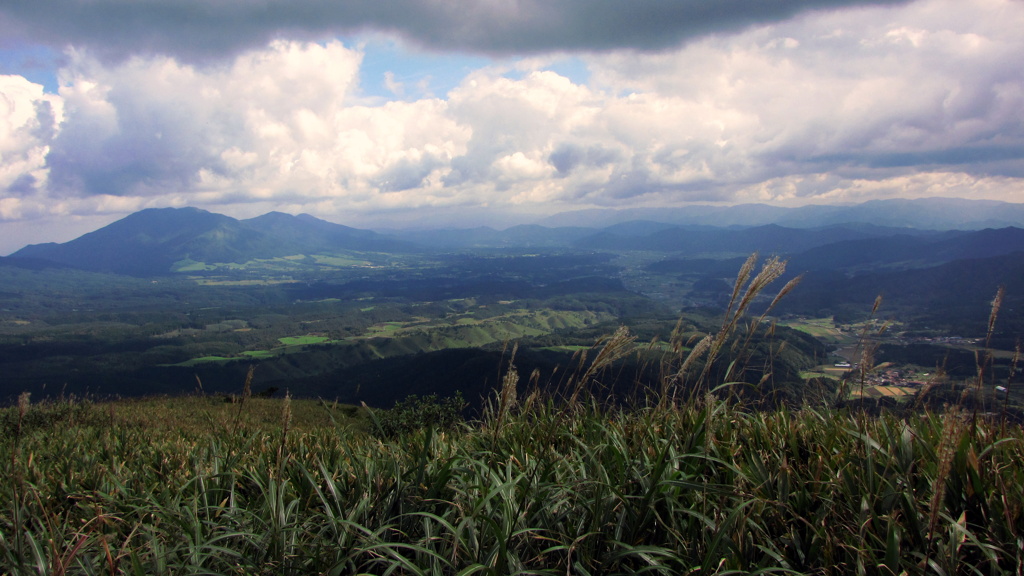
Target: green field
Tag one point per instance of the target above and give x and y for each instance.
(302, 340)
(821, 328)
(339, 261)
(823, 371)
(420, 333)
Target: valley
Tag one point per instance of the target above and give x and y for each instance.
(322, 310)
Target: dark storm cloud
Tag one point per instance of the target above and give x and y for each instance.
(199, 30)
(24, 185)
(956, 156)
(981, 160)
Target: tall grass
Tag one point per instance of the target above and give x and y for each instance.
(702, 487)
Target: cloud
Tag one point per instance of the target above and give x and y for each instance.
(567, 157)
(203, 30)
(274, 124)
(28, 121)
(864, 93)
(920, 99)
(149, 125)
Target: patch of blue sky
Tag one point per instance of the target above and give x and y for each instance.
(393, 71)
(571, 67)
(36, 63)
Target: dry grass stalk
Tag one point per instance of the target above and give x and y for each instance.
(778, 268)
(286, 424)
(679, 378)
(878, 303)
(246, 393)
(535, 394)
(741, 279)
(771, 270)
(745, 291)
(508, 396)
(247, 389)
(286, 412)
(1013, 364)
(864, 353)
(1006, 393)
(789, 287)
(23, 406)
(677, 337)
(983, 358)
(997, 303)
(618, 346)
(952, 432)
(936, 378)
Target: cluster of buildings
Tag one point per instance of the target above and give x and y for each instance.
(880, 383)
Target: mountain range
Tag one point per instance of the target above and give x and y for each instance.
(156, 241)
(920, 213)
(151, 241)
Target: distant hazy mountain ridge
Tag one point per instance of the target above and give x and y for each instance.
(149, 242)
(922, 213)
(904, 233)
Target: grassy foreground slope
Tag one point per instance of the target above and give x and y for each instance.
(692, 478)
(538, 488)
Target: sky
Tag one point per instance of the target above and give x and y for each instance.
(413, 113)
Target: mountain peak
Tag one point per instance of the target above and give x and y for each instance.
(150, 241)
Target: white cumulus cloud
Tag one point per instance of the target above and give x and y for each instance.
(28, 120)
